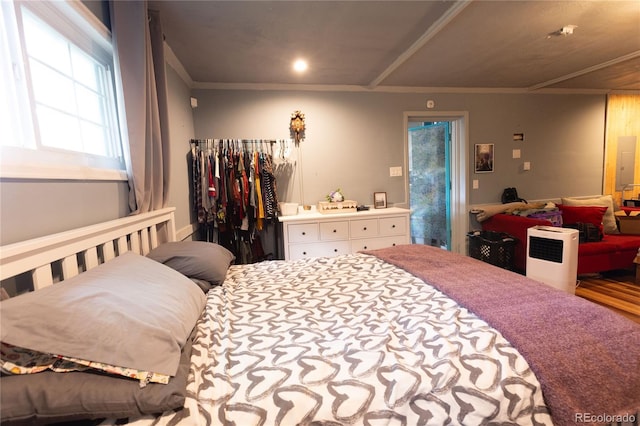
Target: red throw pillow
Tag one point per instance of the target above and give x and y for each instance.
(584, 214)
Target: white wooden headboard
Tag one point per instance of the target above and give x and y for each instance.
(60, 256)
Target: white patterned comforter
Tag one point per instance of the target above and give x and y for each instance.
(349, 340)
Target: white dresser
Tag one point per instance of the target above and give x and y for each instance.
(313, 234)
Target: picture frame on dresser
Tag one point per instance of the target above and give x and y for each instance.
(380, 200)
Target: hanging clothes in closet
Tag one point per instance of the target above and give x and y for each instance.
(234, 193)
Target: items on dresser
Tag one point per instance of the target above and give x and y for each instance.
(316, 234)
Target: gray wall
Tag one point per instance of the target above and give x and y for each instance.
(33, 208)
(180, 132)
(351, 141)
(564, 142)
(353, 138)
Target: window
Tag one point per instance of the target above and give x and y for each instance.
(58, 115)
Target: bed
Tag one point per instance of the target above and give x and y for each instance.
(135, 327)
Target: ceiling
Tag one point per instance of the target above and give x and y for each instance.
(407, 45)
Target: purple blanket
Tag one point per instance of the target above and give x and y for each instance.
(586, 357)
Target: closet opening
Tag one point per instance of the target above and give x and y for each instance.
(233, 195)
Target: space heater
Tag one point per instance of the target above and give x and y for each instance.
(552, 256)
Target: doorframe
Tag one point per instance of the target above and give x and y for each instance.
(459, 170)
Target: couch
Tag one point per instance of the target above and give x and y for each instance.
(614, 252)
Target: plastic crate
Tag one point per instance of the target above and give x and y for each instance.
(496, 248)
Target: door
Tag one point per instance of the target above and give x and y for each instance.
(429, 148)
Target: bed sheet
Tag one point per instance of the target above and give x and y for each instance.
(348, 340)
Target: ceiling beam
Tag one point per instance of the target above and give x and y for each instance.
(174, 62)
(431, 32)
(587, 70)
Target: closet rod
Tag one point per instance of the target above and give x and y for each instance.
(272, 141)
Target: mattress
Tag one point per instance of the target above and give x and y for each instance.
(348, 340)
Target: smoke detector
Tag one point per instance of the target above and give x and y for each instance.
(564, 31)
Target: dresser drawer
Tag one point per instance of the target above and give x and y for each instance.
(377, 243)
(303, 233)
(363, 228)
(396, 225)
(310, 235)
(334, 230)
(328, 249)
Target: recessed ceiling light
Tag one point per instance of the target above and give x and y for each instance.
(300, 65)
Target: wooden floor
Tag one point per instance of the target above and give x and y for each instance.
(617, 291)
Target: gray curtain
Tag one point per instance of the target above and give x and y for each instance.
(141, 82)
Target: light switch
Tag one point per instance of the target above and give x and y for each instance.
(516, 153)
(476, 184)
(395, 171)
(526, 165)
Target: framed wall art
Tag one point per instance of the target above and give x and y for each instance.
(484, 158)
(380, 200)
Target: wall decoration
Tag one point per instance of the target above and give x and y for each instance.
(484, 158)
(380, 200)
(297, 126)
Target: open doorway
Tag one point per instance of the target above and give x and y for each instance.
(436, 159)
(429, 183)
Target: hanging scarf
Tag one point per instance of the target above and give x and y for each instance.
(260, 212)
(269, 187)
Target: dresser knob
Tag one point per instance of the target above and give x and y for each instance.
(304, 253)
(364, 229)
(335, 230)
(393, 226)
(394, 244)
(335, 250)
(365, 247)
(304, 233)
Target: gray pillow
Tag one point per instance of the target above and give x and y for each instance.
(49, 397)
(195, 259)
(129, 312)
(203, 284)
